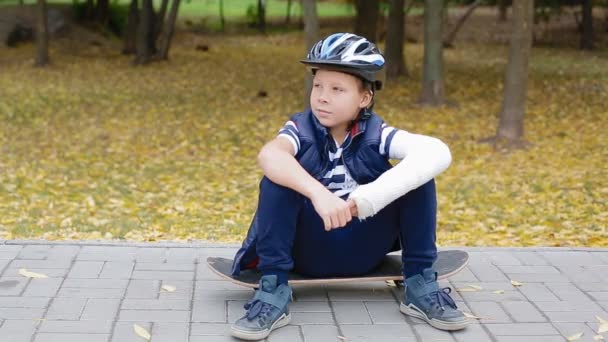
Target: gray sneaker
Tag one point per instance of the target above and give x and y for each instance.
(268, 310)
(423, 299)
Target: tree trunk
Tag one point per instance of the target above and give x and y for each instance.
(432, 76)
(288, 15)
(449, 41)
(311, 33)
(160, 18)
(262, 16)
(130, 34)
(89, 10)
(587, 32)
(222, 16)
(367, 18)
(511, 124)
(145, 34)
(42, 35)
(102, 12)
(395, 61)
(168, 31)
(503, 6)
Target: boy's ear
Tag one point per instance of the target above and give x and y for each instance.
(366, 99)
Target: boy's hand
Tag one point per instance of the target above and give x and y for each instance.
(352, 205)
(334, 211)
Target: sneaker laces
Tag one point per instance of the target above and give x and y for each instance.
(443, 297)
(257, 307)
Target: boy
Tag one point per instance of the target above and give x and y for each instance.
(330, 203)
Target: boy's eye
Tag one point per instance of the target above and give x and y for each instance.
(316, 85)
(338, 89)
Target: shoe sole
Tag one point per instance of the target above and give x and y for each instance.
(254, 336)
(413, 311)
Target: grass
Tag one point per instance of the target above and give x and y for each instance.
(95, 148)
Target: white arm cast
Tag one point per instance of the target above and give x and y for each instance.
(422, 159)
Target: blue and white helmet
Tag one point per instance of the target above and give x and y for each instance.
(349, 53)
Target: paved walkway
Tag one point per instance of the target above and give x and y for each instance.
(96, 292)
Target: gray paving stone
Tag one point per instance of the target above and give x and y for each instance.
(209, 311)
(213, 339)
(523, 312)
(169, 332)
(585, 286)
(428, 333)
(464, 276)
(100, 309)
(287, 333)
(154, 315)
(33, 252)
(9, 252)
(24, 302)
(49, 272)
(567, 292)
(538, 293)
(117, 270)
(351, 313)
(300, 318)
(574, 317)
(309, 307)
(529, 270)
(155, 304)
(489, 312)
(63, 252)
(484, 296)
(500, 258)
(90, 293)
(163, 275)
(571, 329)
(91, 327)
(155, 266)
(599, 296)
(207, 285)
(45, 287)
(384, 312)
(182, 255)
(472, 333)
(522, 329)
(538, 278)
(124, 331)
(580, 274)
(552, 338)
(86, 269)
(144, 289)
(359, 295)
(100, 253)
(203, 272)
(156, 255)
(320, 333)
(487, 272)
(557, 258)
(66, 309)
(21, 313)
(310, 293)
(207, 329)
(235, 310)
(96, 283)
(183, 289)
(38, 264)
(572, 306)
(379, 332)
(242, 295)
(61, 337)
(530, 258)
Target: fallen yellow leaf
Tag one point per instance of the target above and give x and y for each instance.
(598, 337)
(169, 288)
(600, 319)
(499, 291)
(466, 289)
(470, 315)
(29, 274)
(141, 332)
(575, 337)
(602, 328)
(342, 338)
(476, 287)
(516, 283)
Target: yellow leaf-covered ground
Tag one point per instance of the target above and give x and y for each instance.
(94, 148)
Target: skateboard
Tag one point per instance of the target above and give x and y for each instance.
(448, 263)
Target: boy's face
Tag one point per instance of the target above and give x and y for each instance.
(337, 98)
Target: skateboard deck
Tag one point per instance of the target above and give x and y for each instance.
(447, 264)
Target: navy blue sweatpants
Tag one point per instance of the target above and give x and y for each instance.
(292, 235)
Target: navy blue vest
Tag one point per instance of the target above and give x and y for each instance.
(361, 157)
